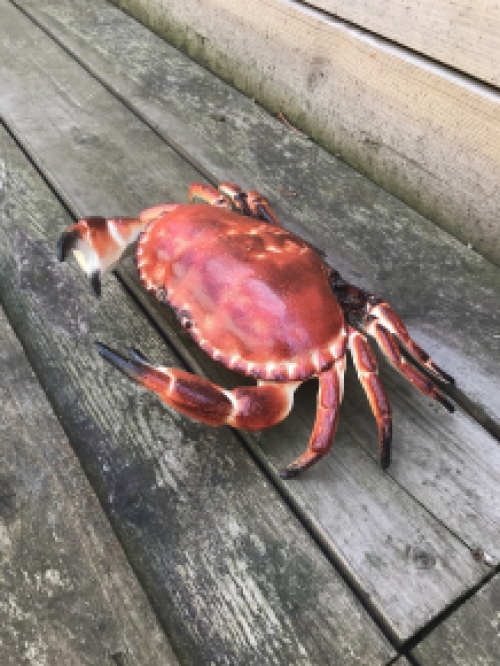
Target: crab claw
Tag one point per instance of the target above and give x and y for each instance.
(137, 368)
(71, 240)
(131, 367)
(98, 243)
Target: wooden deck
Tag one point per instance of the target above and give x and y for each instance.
(182, 544)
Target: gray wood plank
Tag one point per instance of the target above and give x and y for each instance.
(230, 571)
(68, 594)
(469, 636)
(449, 296)
(99, 157)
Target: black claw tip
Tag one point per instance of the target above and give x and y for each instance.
(139, 356)
(448, 378)
(289, 472)
(66, 243)
(110, 355)
(447, 404)
(95, 283)
(105, 351)
(385, 446)
(130, 367)
(385, 460)
(443, 376)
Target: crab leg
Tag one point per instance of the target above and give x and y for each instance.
(366, 367)
(393, 323)
(250, 203)
(388, 343)
(229, 195)
(327, 416)
(248, 407)
(99, 242)
(203, 193)
(375, 317)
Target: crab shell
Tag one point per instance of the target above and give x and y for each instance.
(254, 296)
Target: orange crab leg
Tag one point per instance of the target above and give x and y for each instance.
(249, 203)
(201, 192)
(366, 367)
(261, 208)
(393, 323)
(248, 407)
(229, 195)
(327, 418)
(388, 343)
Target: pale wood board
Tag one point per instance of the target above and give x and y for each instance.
(68, 594)
(99, 156)
(447, 294)
(470, 636)
(233, 576)
(425, 133)
(464, 34)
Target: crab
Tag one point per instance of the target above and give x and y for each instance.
(261, 301)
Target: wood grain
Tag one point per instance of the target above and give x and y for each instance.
(69, 596)
(232, 575)
(426, 134)
(464, 34)
(100, 158)
(469, 636)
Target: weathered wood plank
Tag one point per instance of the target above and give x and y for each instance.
(68, 593)
(471, 635)
(423, 132)
(448, 295)
(385, 540)
(231, 573)
(464, 34)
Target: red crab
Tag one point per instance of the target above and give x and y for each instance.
(261, 301)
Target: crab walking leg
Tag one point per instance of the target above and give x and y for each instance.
(203, 193)
(249, 407)
(250, 203)
(230, 195)
(393, 323)
(361, 308)
(330, 392)
(366, 367)
(388, 343)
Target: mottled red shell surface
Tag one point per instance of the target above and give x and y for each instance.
(254, 296)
